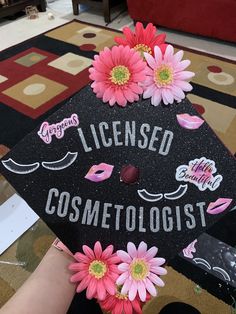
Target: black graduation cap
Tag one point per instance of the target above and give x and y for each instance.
(139, 173)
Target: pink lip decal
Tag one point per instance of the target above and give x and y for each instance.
(189, 122)
(218, 206)
(98, 173)
(190, 249)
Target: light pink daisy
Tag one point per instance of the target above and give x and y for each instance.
(140, 271)
(166, 76)
(116, 73)
(96, 271)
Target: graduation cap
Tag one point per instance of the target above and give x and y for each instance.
(114, 175)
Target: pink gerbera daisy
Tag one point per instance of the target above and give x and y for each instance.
(96, 270)
(140, 271)
(166, 76)
(143, 39)
(116, 73)
(120, 303)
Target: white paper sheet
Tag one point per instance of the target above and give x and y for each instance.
(15, 218)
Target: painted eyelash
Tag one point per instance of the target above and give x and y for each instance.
(15, 167)
(62, 163)
(182, 189)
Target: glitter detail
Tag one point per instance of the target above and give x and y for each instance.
(139, 269)
(163, 75)
(197, 289)
(97, 269)
(120, 75)
(141, 48)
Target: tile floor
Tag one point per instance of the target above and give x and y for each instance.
(13, 32)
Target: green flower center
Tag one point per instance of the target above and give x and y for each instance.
(120, 75)
(97, 269)
(163, 75)
(139, 269)
(141, 48)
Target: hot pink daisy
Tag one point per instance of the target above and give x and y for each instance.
(166, 78)
(120, 303)
(139, 271)
(116, 73)
(143, 39)
(96, 270)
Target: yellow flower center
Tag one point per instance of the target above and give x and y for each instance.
(139, 269)
(97, 269)
(120, 75)
(120, 296)
(163, 75)
(141, 48)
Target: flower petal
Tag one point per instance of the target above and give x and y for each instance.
(78, 266)
(133, 291)
(107, 94)
(156, 98)
(168, 56)
(184, 75)
(178, 57)
(107, 252)
(101, 291)
(81, 257)
(182, 65)
(137, 307)
(124, 256)
(177, 92)
(157, 261)
(83, 284)
(149, 91)
(158, 270)
(158, 55)
(150, 287)
(88, 252)
(97, 249)
(142, 249)
(185, 86)
(151, 253)
(156, 280)
(127, 308)
(150, 60)
(142, 291)
(123, 267)
(79, 276)
(114, 259)
(126, 286)
(121, 279)
(135, 88)
(91, 289)
(118, 308)
(109, 285)
(120, 98)
(168, 96)
(131, 248)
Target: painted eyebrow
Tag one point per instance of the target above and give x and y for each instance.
(62, 163)
(15, 167)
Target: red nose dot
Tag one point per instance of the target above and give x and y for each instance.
(214, 69)
(129, 174)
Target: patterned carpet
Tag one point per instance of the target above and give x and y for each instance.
(38, 76)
